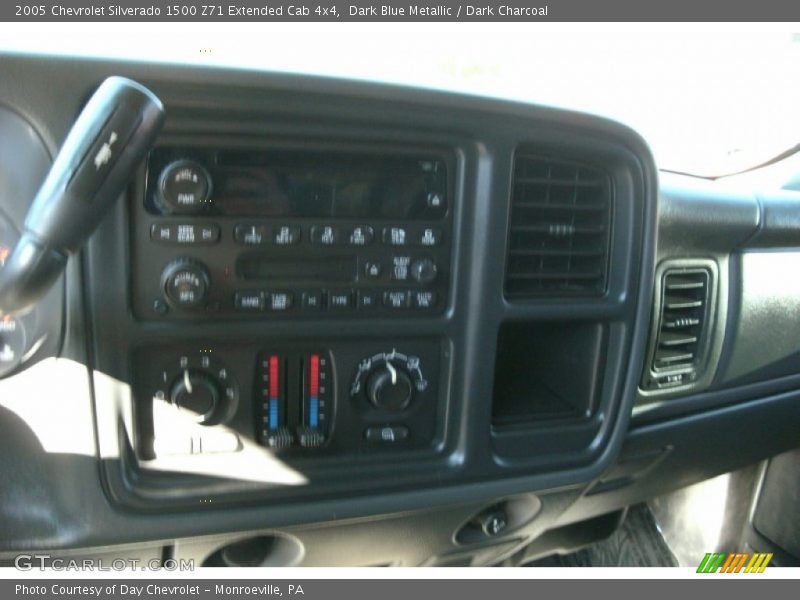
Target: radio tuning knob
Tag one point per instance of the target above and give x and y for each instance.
(424, 271)
(184, 187)
(390, 388)
(185, 283)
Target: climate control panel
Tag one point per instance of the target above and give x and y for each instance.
(341, 398)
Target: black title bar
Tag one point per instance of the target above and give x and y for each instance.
(400, 11)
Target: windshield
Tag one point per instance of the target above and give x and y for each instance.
(709, 102)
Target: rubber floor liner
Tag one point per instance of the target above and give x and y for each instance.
(637, 543)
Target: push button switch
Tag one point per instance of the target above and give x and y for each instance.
(250, 235)
(250, 301)
(286, 235)
(387, 435)
(424, 299)
(280, 301)
(396, 299)
(340, 300)
(367, 299)
(372, 270)
(324, 235)
(430, 237)
(361, 236)
(312, 300)
(394, 236)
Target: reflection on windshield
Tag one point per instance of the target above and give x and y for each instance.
(708, 102)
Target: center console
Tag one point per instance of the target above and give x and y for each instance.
(239, 231)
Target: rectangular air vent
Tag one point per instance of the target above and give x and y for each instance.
(559, 229)
(684, 310)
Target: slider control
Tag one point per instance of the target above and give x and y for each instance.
(275, 433)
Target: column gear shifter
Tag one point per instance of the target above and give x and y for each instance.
(109, 140)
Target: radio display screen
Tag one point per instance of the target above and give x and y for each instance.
(315, 183)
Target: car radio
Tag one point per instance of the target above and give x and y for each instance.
(292, 231)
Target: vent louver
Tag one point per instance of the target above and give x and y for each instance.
(559, 229)
(684, 312)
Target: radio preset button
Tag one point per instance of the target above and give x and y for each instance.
(394, 236)
(251, 301)
(340, 300)
(430, 237)
(324, 235)
(286, 235)
(397, 299)
(250, 235)
(362, 236)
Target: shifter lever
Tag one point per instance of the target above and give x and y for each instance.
(105, 145)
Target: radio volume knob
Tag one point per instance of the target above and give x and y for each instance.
(184, 187)
(185, 283)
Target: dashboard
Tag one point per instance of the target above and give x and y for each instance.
(420, 327)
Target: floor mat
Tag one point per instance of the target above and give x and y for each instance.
(637, 543)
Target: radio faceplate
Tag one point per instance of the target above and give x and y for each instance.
(291, 232)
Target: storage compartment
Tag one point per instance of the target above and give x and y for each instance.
(547, 371)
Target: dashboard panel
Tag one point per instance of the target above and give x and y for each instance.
(326, 311)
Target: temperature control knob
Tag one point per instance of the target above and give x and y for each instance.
(185, 283)
(390, 388)
(198, 393)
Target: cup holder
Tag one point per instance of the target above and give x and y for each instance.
(258, 551)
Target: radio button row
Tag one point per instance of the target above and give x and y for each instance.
(397, 299)
(400, 236)
(185, 233)
(258, 301)
(366, 299)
